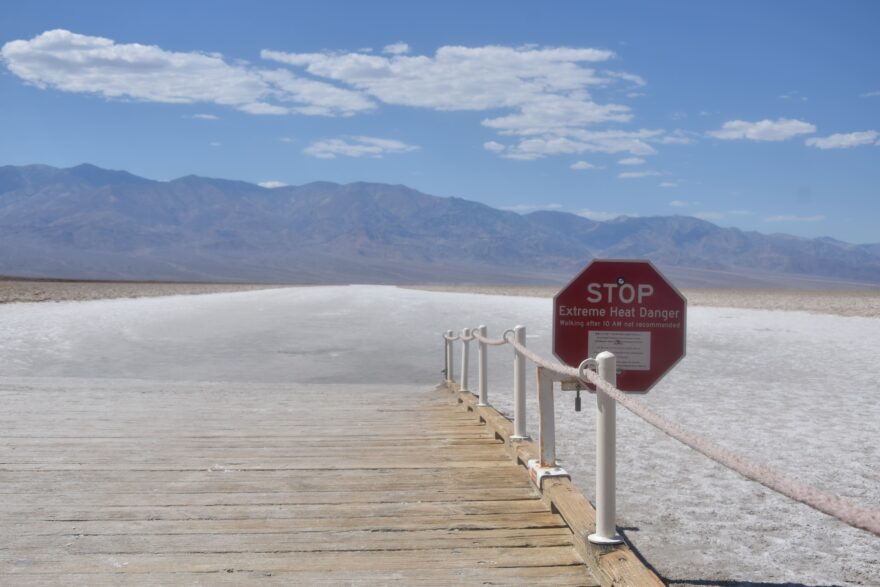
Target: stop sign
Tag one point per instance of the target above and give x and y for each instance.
(627, 308)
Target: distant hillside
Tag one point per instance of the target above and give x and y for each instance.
(88, 222)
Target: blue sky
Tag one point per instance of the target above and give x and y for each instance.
(760, 115)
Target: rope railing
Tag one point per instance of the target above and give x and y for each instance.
(828, 503)
(493, 341)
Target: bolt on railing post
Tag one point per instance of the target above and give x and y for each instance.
(606, 467)
(465, 334)
(449, 360)
(546, 418)
(519, 387)
(481, 364)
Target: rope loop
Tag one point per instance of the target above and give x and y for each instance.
(586, 369)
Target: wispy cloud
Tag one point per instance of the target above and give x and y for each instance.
(400, 48)
(286, 139)
(73, 62)
(870, 94)
(632, 161)
(844, 140)
(493, 146)
(581, 141)
(716, 214)
(793, 95)
(582, 165)
(543, 97)
(637, 174)
(668, 184)
(358, 146)
(526, 208)
(601, 216)
(794, 218)
(272, 184)
(680, 203)
(205, 117)
(763, 130)
(678, 137)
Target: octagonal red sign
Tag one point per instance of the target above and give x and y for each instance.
(627, 308)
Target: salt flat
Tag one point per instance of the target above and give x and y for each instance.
(797, 391)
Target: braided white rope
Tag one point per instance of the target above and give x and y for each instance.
(489, 341)
(451, 338)
(828, 503)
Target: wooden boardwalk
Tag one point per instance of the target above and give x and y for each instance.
(109, 483)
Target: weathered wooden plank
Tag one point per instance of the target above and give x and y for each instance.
(292, 542)
(570, 575)
(41, 562)
(421, 495)
(276, 511)
(270, 525)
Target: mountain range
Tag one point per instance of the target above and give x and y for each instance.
(86, 222)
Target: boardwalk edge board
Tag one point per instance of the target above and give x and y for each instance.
(613, 566)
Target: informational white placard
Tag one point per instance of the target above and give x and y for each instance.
(632, 349)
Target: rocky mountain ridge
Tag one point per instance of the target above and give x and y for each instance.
(88, 222)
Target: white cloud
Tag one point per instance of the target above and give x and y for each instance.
(215, 144)
(679, 204)
(264, 108)
(632, 161)
(844, 140)
(669, 184)
(793, 95)
(357, 147)
(870, 94)
(543, 95)
(205, 116)
(493, 146)
(582, 165)
(459, 78)
(315, 98)
(577, 141)
(602, 216)
(793, 218)
(72, 62)
(286, 139)
(526, 208)
(677, 137)
(271, 184)
(630, 77)
(637, 174)
(763, 130)
(396, 49)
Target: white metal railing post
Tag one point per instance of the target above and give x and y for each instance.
(606, 466)
(449, 360)
(465, 340)
(519, 387)
(481, 364)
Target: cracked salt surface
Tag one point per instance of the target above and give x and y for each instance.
(793, 390)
